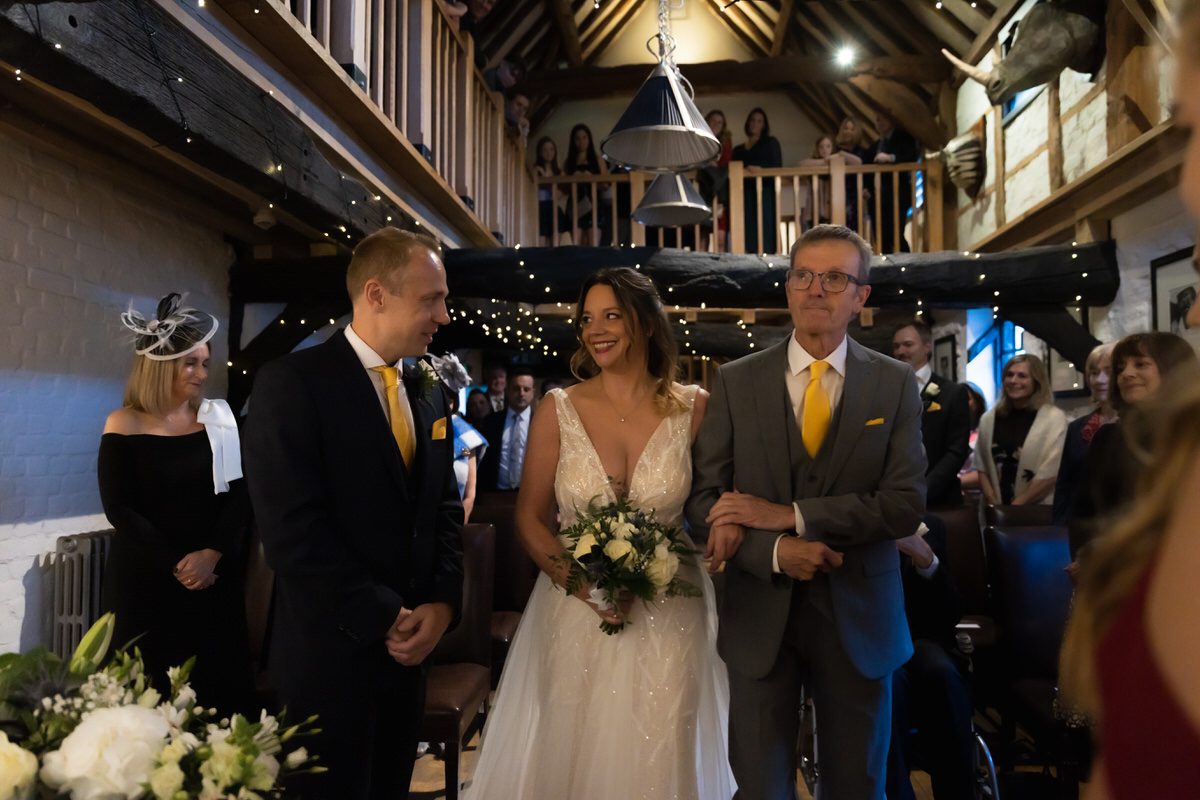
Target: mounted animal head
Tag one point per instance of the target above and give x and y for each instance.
(1054, 35)
(965, 158)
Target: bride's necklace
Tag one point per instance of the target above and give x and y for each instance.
(621, 417)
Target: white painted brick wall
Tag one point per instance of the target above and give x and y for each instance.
(1085, 139)
(1027, 132)
(74, 250)
(1026, 188)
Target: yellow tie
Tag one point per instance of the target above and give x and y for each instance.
(815, 417)
(391, 385)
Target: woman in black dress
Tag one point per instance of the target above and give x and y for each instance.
(169, 470)
(760, 151)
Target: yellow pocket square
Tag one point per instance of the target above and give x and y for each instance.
(876, 421)
(934, 406)
(439, 429)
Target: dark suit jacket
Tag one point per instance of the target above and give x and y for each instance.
(946, 434)
(351, 533)
(933, 605)
(489, 469)
(872, 493)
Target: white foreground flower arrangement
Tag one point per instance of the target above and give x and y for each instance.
(88, 733)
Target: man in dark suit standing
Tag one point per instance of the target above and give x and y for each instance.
(807, 468)
(350, 470)
(507, 432)
(946, 419)
(894, 146)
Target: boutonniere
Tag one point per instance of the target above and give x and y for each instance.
(427, 379)
(932, 389)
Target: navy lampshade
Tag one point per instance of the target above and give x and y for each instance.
(662, 130)
(672, 200)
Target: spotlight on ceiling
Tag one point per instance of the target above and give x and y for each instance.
(845, 56)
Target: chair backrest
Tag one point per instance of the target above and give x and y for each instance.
(966, 555)
(515, 570)
(471, 640)
(1032, 595)
(1013, 516)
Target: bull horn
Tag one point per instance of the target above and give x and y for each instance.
(980, 76)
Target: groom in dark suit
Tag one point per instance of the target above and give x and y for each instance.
(350, 470)
(808, 466)
(945, 419)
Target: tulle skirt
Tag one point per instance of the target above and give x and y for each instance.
(580, 715)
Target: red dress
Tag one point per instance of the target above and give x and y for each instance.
(1150, 749)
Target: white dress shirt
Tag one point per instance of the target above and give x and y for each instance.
(370, 359)
(924, 376)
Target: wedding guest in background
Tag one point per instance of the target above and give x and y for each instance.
(968, 475)
(170, 481)
(581, 714)
(495, 375)
(582, 160)
(1141, 363)
(351, 473)
(507, 433)
(894, 145)
(516, 113)
(548, 193)
(848, 141)
(945, 420)
(1098, 379)
(760, 150)
(714, 181)
(505, 75)
(469, 444)
(477, 408)
(470, 21)
(823, 154)
(1021, 439)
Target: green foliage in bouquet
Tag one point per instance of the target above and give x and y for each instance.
(79, 730)
(619, 549)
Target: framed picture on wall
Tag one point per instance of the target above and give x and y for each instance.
(945, 358)
(1172, 290)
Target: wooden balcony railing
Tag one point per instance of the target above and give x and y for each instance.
(418, 70)
(803, 196)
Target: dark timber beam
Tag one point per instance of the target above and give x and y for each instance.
(564, 23)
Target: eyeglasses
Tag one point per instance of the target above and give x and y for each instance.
(832, 282)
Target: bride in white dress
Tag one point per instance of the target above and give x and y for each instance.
(581, 715)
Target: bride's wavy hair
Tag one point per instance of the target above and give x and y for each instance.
(644, 316)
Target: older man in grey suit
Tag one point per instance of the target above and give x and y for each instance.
(807, 466)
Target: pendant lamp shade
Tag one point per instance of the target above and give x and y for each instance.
(672, 200)
(662, 130)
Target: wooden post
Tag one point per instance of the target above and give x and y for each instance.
(419, 115)
(348, 28)
(1001, 168)
(1054, 144)
(1132, 79)
(737, 209)
(463, 134)
(637, 190)
(837, 190)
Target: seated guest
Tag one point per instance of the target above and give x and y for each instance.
(469, 444)
(495, 376)
(1141, 362)
(1021, 439)
(930, 693)
(170, 482)
(507, 432)
(478, 408)
(946, 419)
(1098, 377)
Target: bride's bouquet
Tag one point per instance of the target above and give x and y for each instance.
(618, 550)
(76, 729)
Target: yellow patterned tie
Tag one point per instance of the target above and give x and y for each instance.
(815, 416)
(391, 385)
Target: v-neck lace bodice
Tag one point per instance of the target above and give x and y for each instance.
(661, 477)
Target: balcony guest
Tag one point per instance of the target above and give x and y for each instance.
(823, 153)
(582, 159)
(894, 146)
(760, 151)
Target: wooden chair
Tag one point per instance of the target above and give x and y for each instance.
(459, 681)
(515, 572)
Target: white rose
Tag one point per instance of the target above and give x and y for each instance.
(932, 389)
(623, 530)
(166, 780)
(18, 767)
(296, 758)
(617, 548)
(584, 546)
(662, 566)
(110, 753)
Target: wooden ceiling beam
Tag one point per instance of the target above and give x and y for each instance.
(811, 108)
(919, 37)
(948, 31)
(564, 22)
(905, 107)
(736, 21)
(972, 19)
(606, 28)
(518, 34)
(854, 18)
(987, 35)
(782, 26)
(739, 75)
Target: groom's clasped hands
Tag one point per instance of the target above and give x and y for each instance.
(735, 511)
(416, 632)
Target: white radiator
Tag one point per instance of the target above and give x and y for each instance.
(78, 577)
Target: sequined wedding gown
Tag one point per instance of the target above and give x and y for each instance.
(580, 715)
